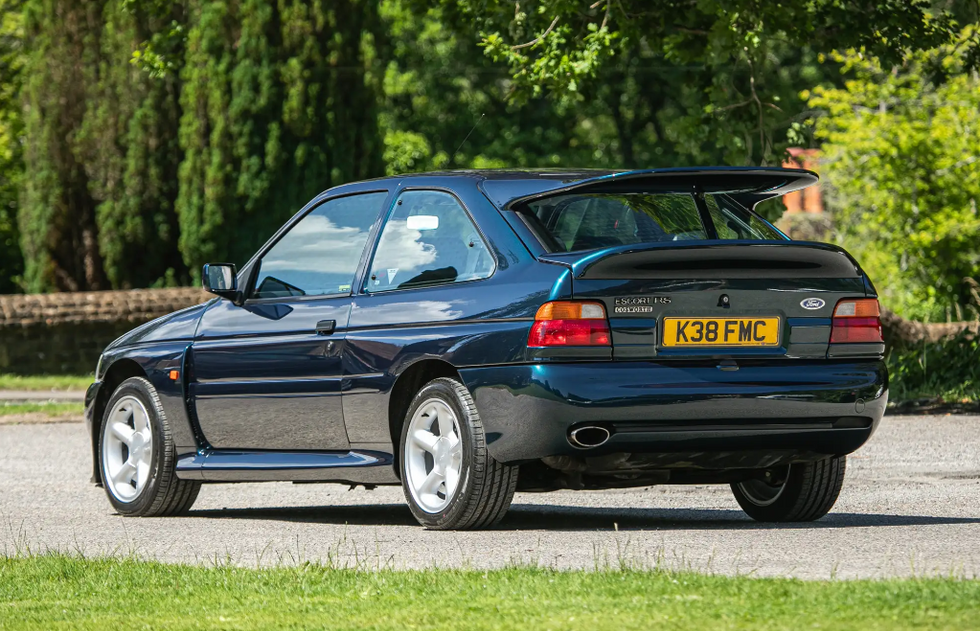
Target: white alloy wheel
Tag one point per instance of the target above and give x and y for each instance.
(127, 449)
(434, 455)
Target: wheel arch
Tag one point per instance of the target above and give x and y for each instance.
(406, 386)
(118, 372)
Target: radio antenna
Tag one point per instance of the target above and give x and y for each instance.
(452, 160)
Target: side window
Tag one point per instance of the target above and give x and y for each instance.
(733, 222)
(319, 255)
(428, 240)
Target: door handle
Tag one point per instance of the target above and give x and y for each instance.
(325, 327)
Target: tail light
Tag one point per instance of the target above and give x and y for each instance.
(567, 323)
(857, 321)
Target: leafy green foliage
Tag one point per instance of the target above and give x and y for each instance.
(279, 103)
(101, 155)
(902, 158)
(57, 215)
(948, 369)
(11, 128)
(160, 134)
(719, 55)
(128, 144)
(445, 107)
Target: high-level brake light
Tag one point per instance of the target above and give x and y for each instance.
(569, 323)
(857, 321)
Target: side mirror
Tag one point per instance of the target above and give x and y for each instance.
(221, 279)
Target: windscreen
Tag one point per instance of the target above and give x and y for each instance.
(574, 222)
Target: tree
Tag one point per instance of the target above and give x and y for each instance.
(445, 104)
(730, 47)
(128, 144)
(901, 152)
(11, 129)
(57, 214)
(279, 103)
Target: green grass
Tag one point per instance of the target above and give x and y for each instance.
(45, 382)
(56, 592)
(48, 409)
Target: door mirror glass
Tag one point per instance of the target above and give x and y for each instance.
(220, 279)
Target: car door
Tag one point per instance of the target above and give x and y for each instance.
(421, 294)
(267, 374)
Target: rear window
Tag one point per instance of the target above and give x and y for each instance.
(569, 223)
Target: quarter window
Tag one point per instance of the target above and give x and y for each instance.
(428, 240)
(320, 253)
(734, 222)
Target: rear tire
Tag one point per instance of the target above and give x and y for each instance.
(137, 458)
(807, 492)
(450, 480)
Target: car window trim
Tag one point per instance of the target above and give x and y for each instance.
(362, 285)
(710, 230)
(255, 263)
(752, 213)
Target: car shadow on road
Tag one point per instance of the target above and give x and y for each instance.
(575, 518)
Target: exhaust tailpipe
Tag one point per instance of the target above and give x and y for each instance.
(589, 436)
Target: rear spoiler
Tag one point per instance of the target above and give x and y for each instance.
(747, 185)
(710, 259)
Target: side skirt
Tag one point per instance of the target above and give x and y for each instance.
(226, 465)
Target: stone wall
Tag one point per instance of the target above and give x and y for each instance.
(65, 332)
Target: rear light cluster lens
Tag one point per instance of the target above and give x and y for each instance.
(567, 323)
(857, 322)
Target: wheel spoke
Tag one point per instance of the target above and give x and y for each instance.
(146, 455)
(123, 432)
(455, 445)
(432, 482)
(452, 479)
(125, 473)
(425, 440)
(140, 422)
(446, 428)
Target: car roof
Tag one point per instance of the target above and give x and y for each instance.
(508, 188)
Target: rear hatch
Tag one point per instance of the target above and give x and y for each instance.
(737, 299)
(686, 269)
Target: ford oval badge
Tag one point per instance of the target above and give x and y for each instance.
(812, 304)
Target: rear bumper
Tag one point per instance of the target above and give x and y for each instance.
(683, 413)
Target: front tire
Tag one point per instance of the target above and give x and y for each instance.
(137, 458)
(799, 492)
(450, 480)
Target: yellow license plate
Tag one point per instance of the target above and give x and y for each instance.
(721, 332)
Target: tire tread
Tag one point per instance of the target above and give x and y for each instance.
(493, 482)
(173, 496)
(813, 490)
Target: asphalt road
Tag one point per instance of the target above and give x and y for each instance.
(910, 505)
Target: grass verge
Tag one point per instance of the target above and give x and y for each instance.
(45, 408)
(12, 413)
(45, 382)
(57, 591)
